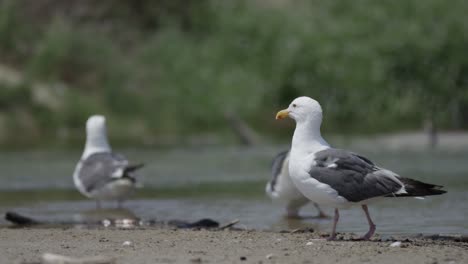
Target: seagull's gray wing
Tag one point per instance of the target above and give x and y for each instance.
(354, 177)
(277, 167)
(100, 169)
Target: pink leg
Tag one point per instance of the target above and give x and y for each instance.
(371, 231)
(335, 221)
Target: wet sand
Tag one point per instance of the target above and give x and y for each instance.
(165, 245)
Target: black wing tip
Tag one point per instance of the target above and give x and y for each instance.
(418, 188)
(438, 192)
(134, 167)
(436, 189)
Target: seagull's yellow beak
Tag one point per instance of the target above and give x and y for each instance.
(282, 114)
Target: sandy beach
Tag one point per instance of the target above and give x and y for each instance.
(165, 245)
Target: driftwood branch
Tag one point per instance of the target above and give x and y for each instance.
(432, 134)
(229, 224)
(207, 223)
(20, 219)
(244, 132)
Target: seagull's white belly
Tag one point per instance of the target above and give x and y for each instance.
(320, 193)
(285, 191)
(288, 195)
(115, 190)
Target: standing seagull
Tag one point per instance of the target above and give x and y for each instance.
(281, 189)
(101, 174)
(336, 177)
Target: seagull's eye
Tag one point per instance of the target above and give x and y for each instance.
(294, 105)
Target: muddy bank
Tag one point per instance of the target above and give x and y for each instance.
(165, 245)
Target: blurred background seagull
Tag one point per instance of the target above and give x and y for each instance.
(281, 189)
(336, 177)
(101, 174)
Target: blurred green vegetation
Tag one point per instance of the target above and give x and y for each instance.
(239, 190)
(168, 70)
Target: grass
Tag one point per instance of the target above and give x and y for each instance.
(170, 72)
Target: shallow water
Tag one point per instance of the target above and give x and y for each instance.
(228, 183)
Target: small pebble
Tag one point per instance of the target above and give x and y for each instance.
(196, 260)
(243, 258)
(106, 222)
(125, 223)
(127, 243)
(395, 244)
(309, 243)
(269, 256)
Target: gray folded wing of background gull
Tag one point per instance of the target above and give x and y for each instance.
(102, 168)
(276, 168)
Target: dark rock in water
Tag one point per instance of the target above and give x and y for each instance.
(203, 223)
(19, 219)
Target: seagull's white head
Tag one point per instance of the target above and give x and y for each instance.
(96, 125)
(308, 116)
(303, 109)
(96, 136)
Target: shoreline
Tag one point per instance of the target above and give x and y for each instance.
(404, 140)
(169, 245)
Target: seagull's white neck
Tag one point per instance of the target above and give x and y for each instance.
(307, 138)
(95, 142)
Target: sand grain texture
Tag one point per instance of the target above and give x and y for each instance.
(26, 245)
